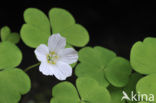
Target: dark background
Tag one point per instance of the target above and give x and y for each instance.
(113, 24)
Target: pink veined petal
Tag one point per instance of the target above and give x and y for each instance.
(68, 55)
(56, 42)
(47, 69)
(64, 70)
(41, 52)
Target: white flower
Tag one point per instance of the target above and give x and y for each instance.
(55, 58)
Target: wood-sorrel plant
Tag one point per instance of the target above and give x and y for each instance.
(102, 76)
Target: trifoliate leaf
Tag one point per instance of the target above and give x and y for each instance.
(7, 35)
(63, 22)
(93, 62)
(118, 71)
(143, 56)
(116, 95)
(147, 85)
(88, 91)
(13, 83)
(36, 31)
(10, 55)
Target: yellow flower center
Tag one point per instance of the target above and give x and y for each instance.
(52, 58)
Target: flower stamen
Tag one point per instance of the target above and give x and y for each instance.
(52, 57)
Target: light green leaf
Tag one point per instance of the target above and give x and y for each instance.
(13, 83)
(60, 19)
(93, 62)
(116, 95)
(10, 55)
(7, 35)
(118, 71)
(65, 92)
(147, 85)
(63, 22)
(143, 56)
(89, 91)
(36, 31)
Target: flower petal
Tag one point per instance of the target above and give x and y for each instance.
(68, 55)
(56, 42)
(64, 70)
(47, 69)
(41, 51)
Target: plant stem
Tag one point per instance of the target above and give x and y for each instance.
(32, 66)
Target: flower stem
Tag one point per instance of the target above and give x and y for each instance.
(32, 66)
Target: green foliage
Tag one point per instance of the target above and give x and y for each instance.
(36, 31)
(10, 55)
(13, 83)
(88, 90)
(118, 71)
(147, 85)
(99, 68)
(65, 92)
(143, 56)
(64, 23)
(93, 62)
(100, 63)
(7, 35)
(37, 28)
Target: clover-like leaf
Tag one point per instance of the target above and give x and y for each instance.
(93, 62)
(118, 71)
(116, 95)
(89, 91)
(63, 22)
(143, 56)
(147, 85)
(7, 35)
(37, 28)
(13, 83)
(65, 92)
(10, 55)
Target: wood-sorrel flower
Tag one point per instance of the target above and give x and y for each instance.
(55, 58)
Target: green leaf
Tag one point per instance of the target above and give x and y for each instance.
(10, 55)
(93, 62)
(13, 83)
(60, 19)
(7, 35)
(65, 92)
(36, 31)
(63, 22)
(147, 85)
(116, 95)
(118, 71)
(143, 56)
(89, 91)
